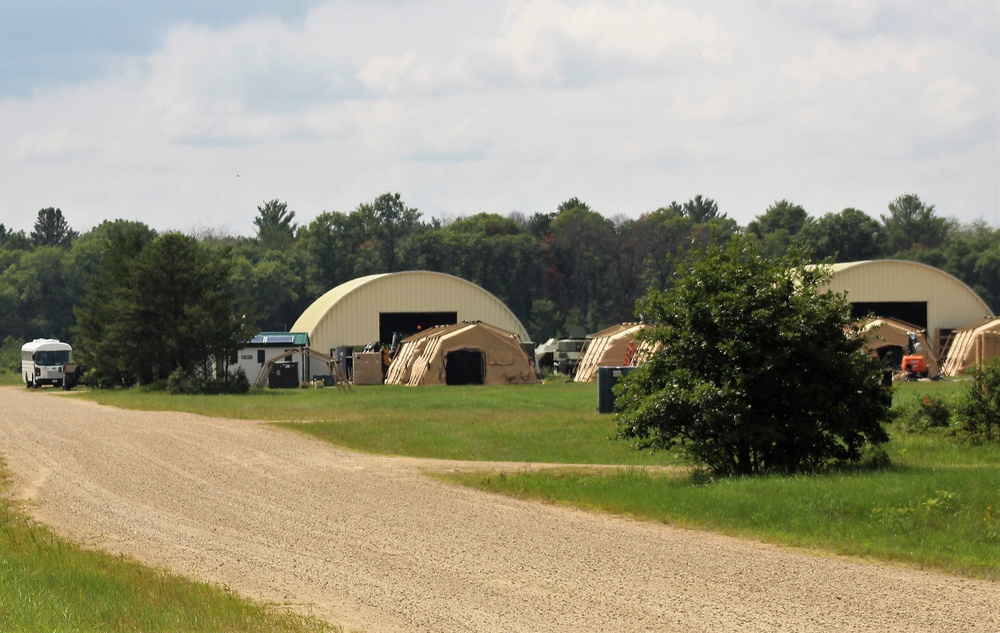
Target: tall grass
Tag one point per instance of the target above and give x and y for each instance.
(946, 519)
(48, 584)
(10, 378)
(553, 422)
(937, 506)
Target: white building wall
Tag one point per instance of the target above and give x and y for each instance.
(248, 360)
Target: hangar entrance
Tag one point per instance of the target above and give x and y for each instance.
(409, 323)
(465, 367)
(891, 356)
(912, 312)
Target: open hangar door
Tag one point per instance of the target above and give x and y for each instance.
(409, 323)
(912, 312)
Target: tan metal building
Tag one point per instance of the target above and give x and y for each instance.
(912, 292)
(611, 347)
(372, 308)
(468, 353)
(972, 345)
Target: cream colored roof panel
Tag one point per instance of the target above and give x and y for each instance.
(349, 314)
(950, 303)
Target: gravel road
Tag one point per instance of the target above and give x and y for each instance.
(371, 544)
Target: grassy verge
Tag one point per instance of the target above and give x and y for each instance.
(554, 423)
(938, 506)
(946, 519)
(10, 378)
(48, 584)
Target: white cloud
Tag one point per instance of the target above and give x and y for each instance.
(501, 105)
(844, 17)
(546, 39)
(852, 60)
(384, 73)
(255, 81)
(957, 104)
(53, 144)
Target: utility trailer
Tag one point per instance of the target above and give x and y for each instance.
(335, 369)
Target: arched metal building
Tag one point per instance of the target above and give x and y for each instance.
(912, 292)
(372, 308)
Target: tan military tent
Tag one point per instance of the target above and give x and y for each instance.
(972, 345)
(883, 333)
(466, 353)
(612, 347)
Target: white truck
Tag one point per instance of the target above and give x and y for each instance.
(44, 362)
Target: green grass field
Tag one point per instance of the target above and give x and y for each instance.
(943, 518)
(9, 378)
(937, 506)
(555, 422)
(48, 584)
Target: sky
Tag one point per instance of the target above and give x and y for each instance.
(190, 114)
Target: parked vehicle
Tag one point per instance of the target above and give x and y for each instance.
(44, 362)
(913, 363)
(567, 355)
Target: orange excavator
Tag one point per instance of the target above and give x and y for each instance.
(913, 361)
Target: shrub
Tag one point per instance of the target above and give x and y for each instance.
(759, 369)
(182, 382)
(979, 411)
(10, 355)
(928, 413)
(236, 382)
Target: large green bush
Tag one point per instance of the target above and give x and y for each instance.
(10, 355)
(926, 413)
(979, 411)
(182, 382)
(759, 370)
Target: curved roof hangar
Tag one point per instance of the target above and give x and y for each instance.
(371, 308)
(909, 291)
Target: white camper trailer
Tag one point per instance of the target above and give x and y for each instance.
(43, 362)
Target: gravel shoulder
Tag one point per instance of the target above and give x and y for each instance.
(370, 543)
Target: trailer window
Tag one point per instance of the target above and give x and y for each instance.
(47, 358)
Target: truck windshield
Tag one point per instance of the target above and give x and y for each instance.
(47, 358)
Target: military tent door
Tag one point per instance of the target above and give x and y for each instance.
(465, 367)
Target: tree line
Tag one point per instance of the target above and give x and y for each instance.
(567, 269)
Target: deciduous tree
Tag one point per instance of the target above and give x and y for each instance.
(13, 240)
(778, 226)
(392, 222)
(580, 248)
(757, 370)
(913, 225)
(848, 236)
